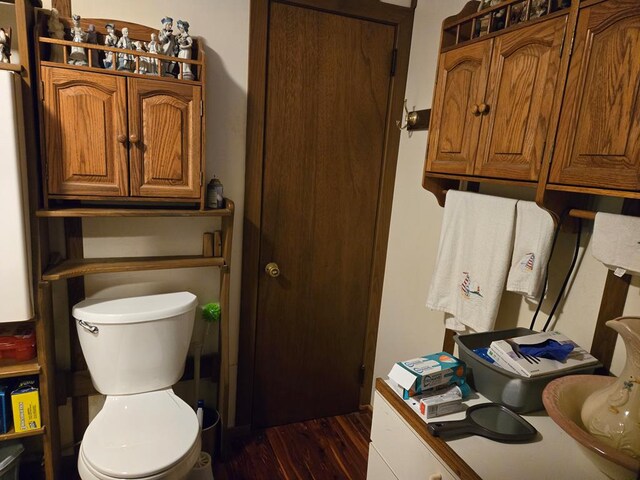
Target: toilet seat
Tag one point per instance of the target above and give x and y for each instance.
(140, 436)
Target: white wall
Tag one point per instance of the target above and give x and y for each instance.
(407, 328)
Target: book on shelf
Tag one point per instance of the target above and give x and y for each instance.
(505, 357)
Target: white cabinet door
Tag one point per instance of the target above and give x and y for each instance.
(403, 451)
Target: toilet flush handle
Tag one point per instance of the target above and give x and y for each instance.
(88, 327)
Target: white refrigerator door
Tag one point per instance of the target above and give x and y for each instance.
(16, 298)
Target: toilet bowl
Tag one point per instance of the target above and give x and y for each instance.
(135, 349)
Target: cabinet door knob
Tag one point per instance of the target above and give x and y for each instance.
(133, 138)
(122, 138)
(483, 108)
(272, 269)
(475, 110)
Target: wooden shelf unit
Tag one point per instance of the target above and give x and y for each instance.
(76, 383)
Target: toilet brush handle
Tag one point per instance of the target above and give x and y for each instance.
(88, 327)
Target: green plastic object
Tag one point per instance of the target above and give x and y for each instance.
(211, 312)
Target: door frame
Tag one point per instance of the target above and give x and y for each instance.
(401, 18)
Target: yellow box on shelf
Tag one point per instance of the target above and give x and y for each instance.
(25, 403)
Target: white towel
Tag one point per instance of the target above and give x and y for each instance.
(473, 259)
(616, 242)
(531, 249)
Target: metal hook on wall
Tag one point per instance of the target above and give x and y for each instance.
(414, 120)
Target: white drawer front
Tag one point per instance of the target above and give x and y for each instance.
(407, 455)
(377, 468)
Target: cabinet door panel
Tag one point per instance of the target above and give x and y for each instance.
(84, 114)
(165, 156)
(599, 133)
(520, 95)
(461, 84)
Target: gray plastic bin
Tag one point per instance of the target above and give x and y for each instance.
(520, 394)
(10, 460)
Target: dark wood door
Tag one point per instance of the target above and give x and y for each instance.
(520, 95)
(328, 85)
(164, 139)
(86, 130)
(599, 134)
(456, 120)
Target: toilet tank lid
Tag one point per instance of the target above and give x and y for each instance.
(134, 309)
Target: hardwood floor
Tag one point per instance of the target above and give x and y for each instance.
(327, 448)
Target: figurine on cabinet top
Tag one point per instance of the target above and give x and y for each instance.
(78, 55)
(110, 40)
(125, 59)
(185, 43)
(5, 46)
(153, 64)
(56, 30)
(143, 62)
(167, 44)
(538, 8)
(92, 37)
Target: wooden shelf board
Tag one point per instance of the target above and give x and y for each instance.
(10, 368)
(13, 67)
(470, 178)
(593, 191)
(131, 212)
(88, 266)
(12, 434)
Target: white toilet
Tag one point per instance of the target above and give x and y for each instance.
(135, 349)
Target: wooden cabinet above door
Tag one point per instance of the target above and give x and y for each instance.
(599, 133)
(493, 103)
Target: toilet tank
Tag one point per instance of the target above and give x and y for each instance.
(138, 344)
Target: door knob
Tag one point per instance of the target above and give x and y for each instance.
(475, 110)
(133, 138)
(272, 269)
(122, 138)
(483, 108)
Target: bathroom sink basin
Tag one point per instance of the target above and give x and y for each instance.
(563, 399)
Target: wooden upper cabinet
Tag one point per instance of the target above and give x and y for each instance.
(599, 133)
(520, 95)
(85, 129)
(455, 124)
(164, 134)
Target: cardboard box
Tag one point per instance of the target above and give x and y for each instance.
(25, 402)
(419, 374)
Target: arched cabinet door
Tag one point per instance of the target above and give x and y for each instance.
(598, 141)
(85, 129)
(520, 96)
(455, 119)
(164, 138)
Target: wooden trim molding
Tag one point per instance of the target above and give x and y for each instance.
(401, 18)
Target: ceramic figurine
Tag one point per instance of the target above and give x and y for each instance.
(56, 30)
(185, 44)
(92, 37)
(153, 65)
(110, 40)
(125, 59)
(143, 62)
(538, 8)
(78, 55)
(5, 46)
(167, 44)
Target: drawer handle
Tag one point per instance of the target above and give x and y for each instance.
(133, 138)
